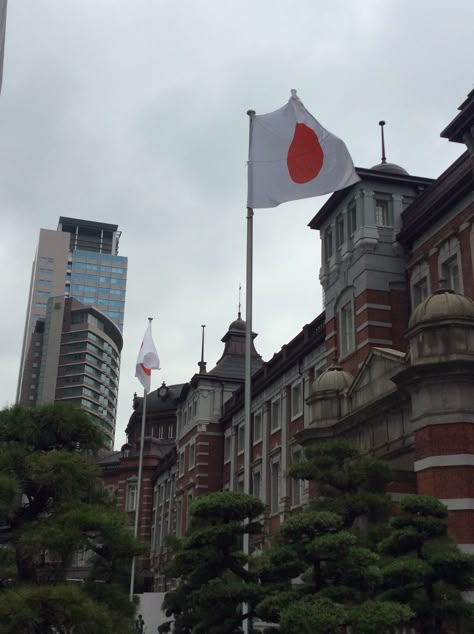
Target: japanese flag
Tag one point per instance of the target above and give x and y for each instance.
(147, 360)
(292, 156)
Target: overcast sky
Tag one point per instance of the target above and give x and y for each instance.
(134, 112)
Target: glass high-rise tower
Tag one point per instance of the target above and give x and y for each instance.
(79, 261)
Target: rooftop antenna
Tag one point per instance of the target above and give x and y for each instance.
(240, 292)
(384, 158)
(202, 363)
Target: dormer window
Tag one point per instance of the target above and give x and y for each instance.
(383, 211)
(352, 218)
(339, 231)
(328, 244)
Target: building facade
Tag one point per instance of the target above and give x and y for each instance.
(388, 364)
(79, 262)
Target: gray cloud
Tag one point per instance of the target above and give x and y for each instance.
(134, 113)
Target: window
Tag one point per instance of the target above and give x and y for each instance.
(132, 497)
(256, 482)
(46, 271)
(383, 212)
(450, 271)
(296, 399)
(179, 518)
(276, 414)
(188, 508)
(240, 484)
(420, 291)
(275, 486)
(339, 231)
(170, 431)
(161, 431)
(296, 484)
(181, 463)
(241, 438)
(257, 427)
(328, 244)
(192, 454)
(33, 376)
(347, 329)
(194, 407)
(227, 448)
(352, 218)
(46, 260)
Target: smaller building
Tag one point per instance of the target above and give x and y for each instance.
(120, 470)
(74, 356)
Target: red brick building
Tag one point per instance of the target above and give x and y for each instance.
(388, 365)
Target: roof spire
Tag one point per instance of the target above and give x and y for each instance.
(202, 363)
(240, 291)
(384, 158)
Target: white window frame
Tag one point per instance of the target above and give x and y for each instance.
(192, 455)
(275, 401)
(257, 415)
(347, 343)
(132, 496)
(239, 484)
(257, 471)
(340, 230)
(352, 218)
(161, 432)
(181, 463)
(328, 244)
(297, 485)
(227, 445)
(383, 214)
(240, 439)
(297, 385)
(450, 253)
(275, 464)
(419, 275)
(170, 431)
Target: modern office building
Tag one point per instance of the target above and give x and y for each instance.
(79, 260)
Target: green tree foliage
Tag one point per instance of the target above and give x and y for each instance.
(321, 574)
(52, 504)
(214, 581)
(348, 484)
(426, 570)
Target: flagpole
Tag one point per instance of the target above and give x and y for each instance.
(248, 363)
(139, 484)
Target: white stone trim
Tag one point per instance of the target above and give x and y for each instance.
(383, 324)
(450, 460)
(386, 342)
(469, 550)
(459, 504)
(374, 306)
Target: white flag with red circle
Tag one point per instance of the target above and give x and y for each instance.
(147, 361)
(292, 156)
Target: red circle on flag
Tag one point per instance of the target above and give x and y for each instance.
(305, 155)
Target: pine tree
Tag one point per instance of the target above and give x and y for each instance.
(52, 504)
(427, 570)
(336, 569)
(214, 581)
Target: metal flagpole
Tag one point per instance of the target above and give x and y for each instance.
(248, 362)
(139, 485)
